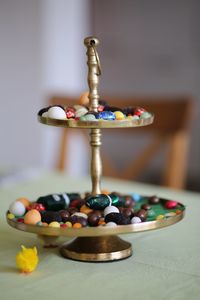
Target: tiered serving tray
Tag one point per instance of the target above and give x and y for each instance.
(99, 243)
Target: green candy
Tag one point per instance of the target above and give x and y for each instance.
(101, 201)
(88, 117)
(145, 115)
(151, 213)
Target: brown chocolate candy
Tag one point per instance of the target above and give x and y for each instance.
(76, 219)
(128, 212)
(146, 206)
(51, 216)
(128, 201)
(121, 209)
(64, 215)
(72, 210)
(93, 219)
(142, 214)
(99, 213)
(154, 200)
(117, 218)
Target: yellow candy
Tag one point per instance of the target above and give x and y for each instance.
(69, 224)
(10, 216)
(160, 217)
(119, 115)
(54, 224)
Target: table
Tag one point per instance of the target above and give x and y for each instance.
(165, 263)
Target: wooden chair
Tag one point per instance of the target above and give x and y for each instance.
(171, 126)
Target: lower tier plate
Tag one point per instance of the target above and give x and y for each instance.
(106, 230)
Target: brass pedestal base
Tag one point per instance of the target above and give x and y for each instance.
(97, 249)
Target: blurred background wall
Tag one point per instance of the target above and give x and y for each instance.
(147, 47)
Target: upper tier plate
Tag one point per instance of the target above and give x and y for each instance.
(96, 124)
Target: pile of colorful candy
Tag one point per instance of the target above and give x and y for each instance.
(73, 210)
(105, 112)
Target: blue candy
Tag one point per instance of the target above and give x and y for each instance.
(136, 197)
(106, 115)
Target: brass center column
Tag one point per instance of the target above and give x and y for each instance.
(94, 72)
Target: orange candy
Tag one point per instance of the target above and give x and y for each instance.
(85, 209)
(32, 217)
(24, 201)
(45, 224)
(77, 225)
(101, 222)
(84, 100)
(106, 192)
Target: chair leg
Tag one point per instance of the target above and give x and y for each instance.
(175, 172)
(143, 159)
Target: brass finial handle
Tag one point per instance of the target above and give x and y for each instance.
(91, 41)
(94, 70)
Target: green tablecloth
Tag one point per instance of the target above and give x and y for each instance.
(165, 263)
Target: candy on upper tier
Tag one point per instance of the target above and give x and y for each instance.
(105, 112)
(68, 210)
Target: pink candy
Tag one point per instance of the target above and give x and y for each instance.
(171, 204)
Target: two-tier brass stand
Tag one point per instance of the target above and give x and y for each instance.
(103, 248)
(99, 243)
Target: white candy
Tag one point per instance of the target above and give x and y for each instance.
(80, 214)
(110, 209)
(56, 112)
(66, 198)
(17, 209)
(136, 220)
(45, 114)
(111, 224)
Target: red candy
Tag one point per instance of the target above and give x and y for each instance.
(20, 220)
(171, 204)
(76, 203)
(37, 206)
(100, 108)
(63, 225)
(70, 113)
(138, 111)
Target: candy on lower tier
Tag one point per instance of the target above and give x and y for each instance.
(79, 211)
